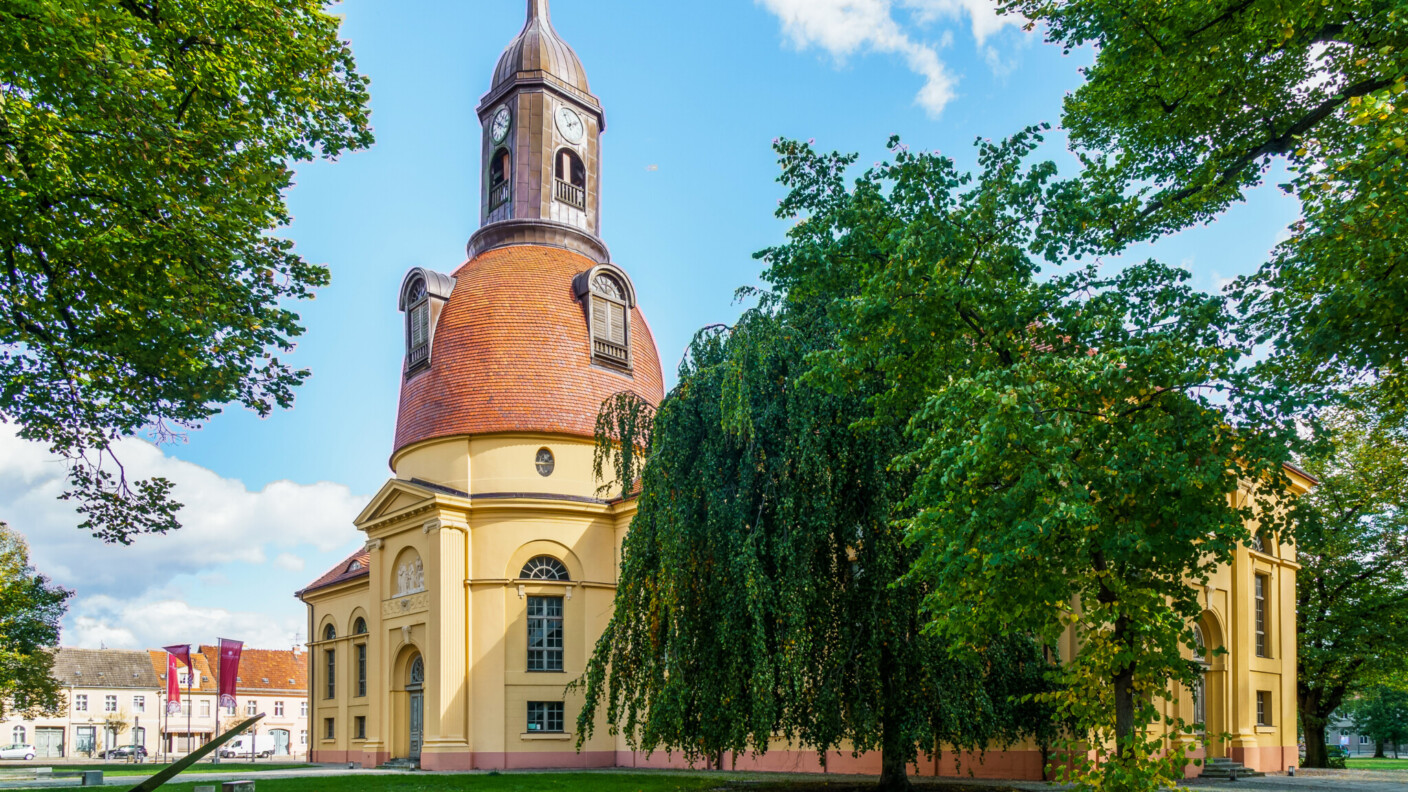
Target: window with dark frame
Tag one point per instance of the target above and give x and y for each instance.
(359, 726)
(329, 731)
(417, 325)
(545, 633)
(1261, 586)
(1263, 708)
(545, 716)
(361, 670)
(331, 666)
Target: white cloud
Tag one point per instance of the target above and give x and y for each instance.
(105, 621)
(846, 27)
(131, 596)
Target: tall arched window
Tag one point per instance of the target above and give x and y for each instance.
(1200, 688)
(571, 178)
(543, 568)
(609, 322)
(500, 179)
(329, 633)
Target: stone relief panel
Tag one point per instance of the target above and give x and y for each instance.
(410, 577)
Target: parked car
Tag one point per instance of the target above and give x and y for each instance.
(124, 752)
(17, 751)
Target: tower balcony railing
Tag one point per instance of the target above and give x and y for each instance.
(571, 194)
(499, 194)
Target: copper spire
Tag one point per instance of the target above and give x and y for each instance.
(538, 9)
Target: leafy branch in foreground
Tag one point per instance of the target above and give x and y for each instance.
(145, 150)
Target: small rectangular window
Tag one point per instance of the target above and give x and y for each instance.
(139, 703)
(109, 703)
(329, 732)
(1263, 708)
(80, 703)
(205, 709)
(545, 633)
(303, 737)
(331, 659)
(278, 709)
(545, 716)
(303, 708)
(251, 707)
(1261, 643)
(359, 726)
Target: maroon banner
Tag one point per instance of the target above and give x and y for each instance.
(173, 687)
(229, 670)
(182, 652)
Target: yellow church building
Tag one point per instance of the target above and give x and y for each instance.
(491, 560)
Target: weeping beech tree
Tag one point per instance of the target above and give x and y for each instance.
(762, 595)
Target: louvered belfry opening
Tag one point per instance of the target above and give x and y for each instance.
(610, 333)
(500, 185)
(418, 326)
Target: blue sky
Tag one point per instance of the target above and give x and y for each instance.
(694, 95)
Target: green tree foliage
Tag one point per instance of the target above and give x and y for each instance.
(1078, 438)
(1382, 713)
(1352, 542)
(30, 610)
(761, 593)
(145, 146)
(1192, 100)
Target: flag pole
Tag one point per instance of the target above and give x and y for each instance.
(190, 705)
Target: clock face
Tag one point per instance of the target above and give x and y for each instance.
(570, 125)
(498, 128)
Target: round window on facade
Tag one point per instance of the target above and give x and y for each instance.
(545, 462)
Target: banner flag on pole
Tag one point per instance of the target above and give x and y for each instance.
(229, 670)
(182, 652)
(173, 688)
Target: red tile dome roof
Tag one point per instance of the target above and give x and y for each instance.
(511, 353)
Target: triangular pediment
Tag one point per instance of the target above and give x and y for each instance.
(394, 496)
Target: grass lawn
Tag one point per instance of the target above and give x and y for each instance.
(1376, 764)
(507, 782)
(572, 781)
(117, 770)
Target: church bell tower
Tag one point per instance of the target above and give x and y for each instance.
(541, 176)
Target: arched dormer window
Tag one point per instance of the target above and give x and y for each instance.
(571, 178)
(544, 568)
(500, 179)
(607, 295)
(417, 325)
(329, 633)
(423, 293)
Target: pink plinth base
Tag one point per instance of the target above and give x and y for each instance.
(1267, 759)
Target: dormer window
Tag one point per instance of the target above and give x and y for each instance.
(418, 326)
(500, 179)
(571, 177)
(608, 298)
(423, 294)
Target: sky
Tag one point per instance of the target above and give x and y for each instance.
(694, 93)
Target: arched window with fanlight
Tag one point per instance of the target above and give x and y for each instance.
(500, 179)
(607, 297)
(423, 295)
(609, 324)
(570, 176)
(1200, 687)
(543, 567)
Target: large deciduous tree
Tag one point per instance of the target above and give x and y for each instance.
(1079, 437)
(1193, 101)
(1352, 542)
(763, 595)
(145, 147)
(1382, 713)
(30, 610)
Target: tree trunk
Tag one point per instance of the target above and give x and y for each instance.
(894, 776)
(1314, 745)
(1379, 749)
